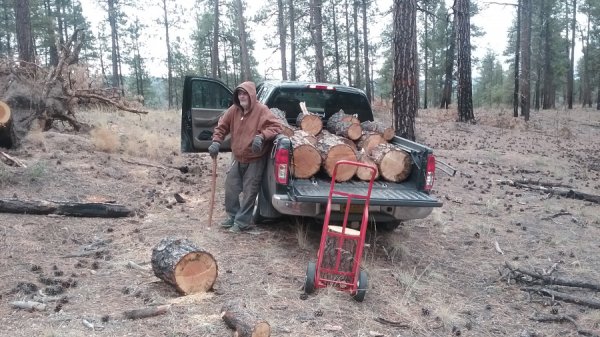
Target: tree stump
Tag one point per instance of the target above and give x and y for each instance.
(7, 136)
(386, 132)
(333, 149)
(393, 164)
(307, 159)
(347, 253)
(180, 263)
(369, 140)
(236, 316)
(287, 129)
(344, 125)
(364, 173)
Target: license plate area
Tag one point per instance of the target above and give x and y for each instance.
(355, 209)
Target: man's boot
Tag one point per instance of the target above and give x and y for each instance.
(227, 223)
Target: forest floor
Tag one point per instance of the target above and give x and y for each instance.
(441, 276)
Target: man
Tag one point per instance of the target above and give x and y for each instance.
(251, 125)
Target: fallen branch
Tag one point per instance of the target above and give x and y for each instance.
(562, 319)
(183, 169)
(146, 312)
(567, 193)
(557, 295)
(44, 207)
(556, 215)
(551, 280)
(119, 105)
(28, 305)
(392, 323)
(13, 160)
(540, 183)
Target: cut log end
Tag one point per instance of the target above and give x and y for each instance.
(196, 272)
(337, 153)
(4, 113)
(307, 161)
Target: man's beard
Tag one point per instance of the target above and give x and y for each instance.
(245, 105)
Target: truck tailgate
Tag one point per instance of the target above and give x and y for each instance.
(383, 193)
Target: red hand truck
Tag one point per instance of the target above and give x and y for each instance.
(341, 248)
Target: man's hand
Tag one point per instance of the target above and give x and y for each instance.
(213, 149)
(257, 144)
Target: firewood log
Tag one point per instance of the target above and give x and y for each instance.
(287, 129)
(393, 163)
(7, 137)
(344, 125)
(364, 173)
(347, 252)
(386, 132)
(333, 149)
(180, 263)
(236, 316)
(307, 159)
(309, 122)
(369, 140)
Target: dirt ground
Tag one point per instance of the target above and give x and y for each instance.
(440, 276)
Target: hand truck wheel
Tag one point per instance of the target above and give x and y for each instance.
(309, 281)
(361, 285)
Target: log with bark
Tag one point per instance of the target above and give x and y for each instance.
(344, 125)
(364, 173)
(386, 132)
(333, 149)
(369, 140)
(245, 323)
(79, 209)
(346, 251)
(185, 266)
(307, 159)
(393, 163)
(287, 129)
(309, 122)
(7, 135)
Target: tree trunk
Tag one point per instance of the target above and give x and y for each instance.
(180, 263)
(517, 60)
(406, 85)
(393, 164)
(571, 58)
(282, 38)
(336, 42)
(333, 149)
(53, 51)
(447, 91)
(587, 89)
(292, 19)
(357, 72)
(214, 55)
(236, 316)
(348, 50)
(23, 28)
(112, 19)
(316, 30)
(245, 74)
(307, 159)
(525, 65)
(548, 88)
(366, 52)
(425, 61)
(169, 55)
(464, 90)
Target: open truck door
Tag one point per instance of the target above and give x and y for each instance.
(205, 100)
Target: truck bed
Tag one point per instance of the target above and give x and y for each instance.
(383, 193)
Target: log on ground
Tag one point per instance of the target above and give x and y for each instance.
(246, 324)
(7, 132)
(394, 164)
(185, 266)
(333, 149)
(307, 159)
(340, 125)
(79, 209)
(386, 132)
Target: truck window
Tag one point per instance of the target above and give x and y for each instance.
(210, 95)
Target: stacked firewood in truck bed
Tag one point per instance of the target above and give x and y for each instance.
(318, 147)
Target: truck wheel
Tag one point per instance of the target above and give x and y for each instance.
(361, 285)
(309, 281)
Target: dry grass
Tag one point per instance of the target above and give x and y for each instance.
(104, 139)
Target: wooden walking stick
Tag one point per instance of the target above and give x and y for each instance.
(212, 191)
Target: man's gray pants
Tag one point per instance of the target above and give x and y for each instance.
(243, 178)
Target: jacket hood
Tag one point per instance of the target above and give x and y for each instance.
(248, 87)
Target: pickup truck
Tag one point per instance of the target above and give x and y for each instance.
(206, 99)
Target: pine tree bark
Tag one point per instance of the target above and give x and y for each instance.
(292, 19)
(23, 28)
(393, 164)
(245, 73)
(516, 91)
(348, 50)
(464, 90)
(166, 25)
(526, 54)
(336, 42)
(307, 159)
(447, 92)
(366, 52)
(333, 149)
(357, 71)
(316, 19)
(112, 20)
(571, 57)
(245, 323)
(281, 27)
(405, 86)
(214, 53)
(344, 125)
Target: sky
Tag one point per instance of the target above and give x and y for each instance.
(495, 20)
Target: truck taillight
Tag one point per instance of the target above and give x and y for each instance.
(282, 158)
(429, 173)
(321, 87)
